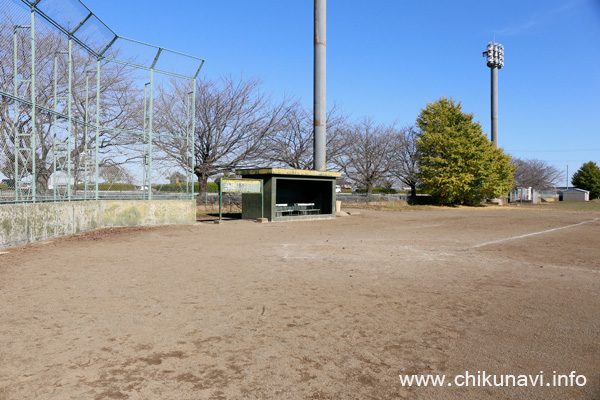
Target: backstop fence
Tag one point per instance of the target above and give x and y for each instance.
(87, 114)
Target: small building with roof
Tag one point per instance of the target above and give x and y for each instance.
(575, 194)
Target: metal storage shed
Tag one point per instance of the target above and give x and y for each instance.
(575, 194)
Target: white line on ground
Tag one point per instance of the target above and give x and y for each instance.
(594, 271)
(534, 233)
(286, 257)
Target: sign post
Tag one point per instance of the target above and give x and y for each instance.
(229, 185)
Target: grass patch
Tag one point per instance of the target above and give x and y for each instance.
(592, 205)
(390, 206)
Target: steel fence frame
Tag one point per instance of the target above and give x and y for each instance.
(24, 141)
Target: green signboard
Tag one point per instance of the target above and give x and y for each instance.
(241, 185)
(228, 185)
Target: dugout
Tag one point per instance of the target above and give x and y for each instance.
(291, 194)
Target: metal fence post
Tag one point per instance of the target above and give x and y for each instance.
(69, 124)
(97, 161)
(34, 108)
(150, 117)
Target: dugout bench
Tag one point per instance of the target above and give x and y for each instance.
(291, 194)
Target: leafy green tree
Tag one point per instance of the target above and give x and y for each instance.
(176, 177)
(458, 164)
(588, 178)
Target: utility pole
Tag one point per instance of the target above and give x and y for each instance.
(495, 60)
(320, 110)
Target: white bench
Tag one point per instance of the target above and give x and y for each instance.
(285, 209)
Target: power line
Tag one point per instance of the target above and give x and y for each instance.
(556, 151)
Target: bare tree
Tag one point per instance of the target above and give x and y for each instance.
(406, 159)
(387, 182)
(292, 145)
(368, 153)
(535, 173)
(116, 173)
(233, 122)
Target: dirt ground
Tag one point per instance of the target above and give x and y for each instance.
(331, 309)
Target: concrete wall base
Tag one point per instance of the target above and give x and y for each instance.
(22, 223)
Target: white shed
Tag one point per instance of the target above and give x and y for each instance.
(575, 194)
(523, 195)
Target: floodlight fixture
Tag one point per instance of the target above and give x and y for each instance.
(494, 54)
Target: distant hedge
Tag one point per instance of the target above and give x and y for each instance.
(378, 190)
(3, 186)
(167, 187)
(110, 186)
(180, 187)
(116, 186)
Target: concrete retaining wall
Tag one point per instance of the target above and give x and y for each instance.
(27, 222)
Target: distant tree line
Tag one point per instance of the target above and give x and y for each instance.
(445, 153)
(237, 125)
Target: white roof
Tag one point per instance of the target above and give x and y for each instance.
(576, 190)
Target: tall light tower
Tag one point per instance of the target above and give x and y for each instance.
(495, 60)
(320, 112)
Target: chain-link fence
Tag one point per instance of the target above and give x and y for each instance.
(84, 112)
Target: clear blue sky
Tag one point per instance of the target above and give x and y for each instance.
(388, 58)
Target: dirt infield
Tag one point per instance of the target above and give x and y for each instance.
(333, 309)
